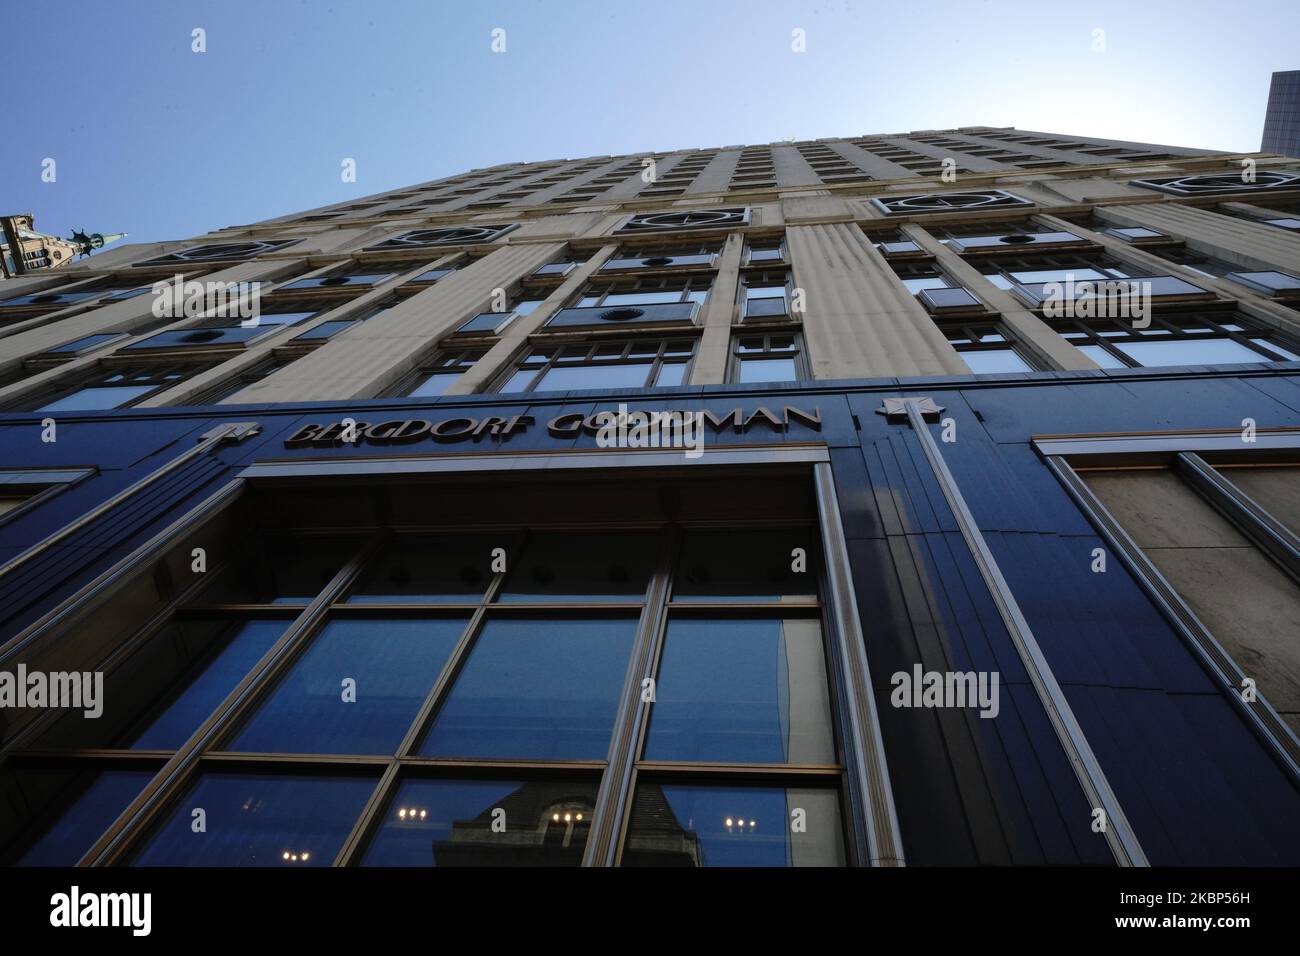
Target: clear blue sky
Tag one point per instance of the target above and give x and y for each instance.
(161, 142)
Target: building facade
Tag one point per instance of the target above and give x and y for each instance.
(1282, 119)
(975, 540)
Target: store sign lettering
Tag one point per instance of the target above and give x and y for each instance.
(410, 431)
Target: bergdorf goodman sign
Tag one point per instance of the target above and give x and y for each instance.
(408, 431)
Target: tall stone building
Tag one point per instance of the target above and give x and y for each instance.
(922, 498)
(1282, 119)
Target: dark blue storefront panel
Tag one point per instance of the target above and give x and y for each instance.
(1196, 783)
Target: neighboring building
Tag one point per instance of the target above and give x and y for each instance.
(1282, 120)
(368, 584)
(24, 250)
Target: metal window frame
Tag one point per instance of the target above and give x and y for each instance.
(868, 811)
(657, 361)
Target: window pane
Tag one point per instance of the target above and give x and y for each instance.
(1193, 352)
(742, 691)
(1101, 356)
(260, 820)
(435, 384)
(196, 695)
(559, 378)
(527, 306)
(1058, 275)
(994, 360)
(925, 282)
(746, 566)
(670, 373)
(1272, 344)
(532, 689)
(426, 571)
(767, 370)
(581, 568)
(732, 826)
(389, 663)
(642, 298)
(79, 824)
(449, 823)
(108, 396)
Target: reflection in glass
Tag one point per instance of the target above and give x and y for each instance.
(582, 567)
(391, 664)
(767, 370)
(562, 377)
(225, 664)
(543, 689)
(746, 566)
(1189, 352)
(259, 820)
(742, 691)
(733, 826)
(427, 571)
(84, 821)
(450, 823)
(982, 361)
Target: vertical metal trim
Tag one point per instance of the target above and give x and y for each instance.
(877, 826)
(229, 432)
(1119, 834)
(615, 791)
(1260, 716)
(1271, 535)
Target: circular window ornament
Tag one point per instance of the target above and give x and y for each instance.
(657, 261)
(1221, 183)
(1017, 239)
(621, 315)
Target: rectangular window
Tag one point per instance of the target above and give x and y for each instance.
(436, 375)
(419, 648)
(116, 386)
(766, 358)
(636, 363)
(1173, 339)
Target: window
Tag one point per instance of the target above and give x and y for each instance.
(115, 386)
(636, 363)
(686, 219)
(445, 236)
(1174, 339)
(436, 375)
(221, 251)
(984, 346)
(645, 292)
(946, 202)
(766, 358)
(477, 685)
(1232, 182)
(240, 381)
(763, 295)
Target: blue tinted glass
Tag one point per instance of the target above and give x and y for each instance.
(435, 384)
(393, 662)
(733, 826)
(1287, 354)
(519, 380)
(282, 318)
(325, 330)
(536, 689)
(260, 820)
(670, 373)
(925, 282)
(1193, 352)
(449, 823)
(1101, 356)
(559, 378)
(994, 360)
(767, 370)
(223, 668)
(90, 341)
(81, 824)
(109, 396)
(742, 691)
